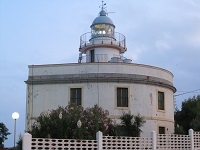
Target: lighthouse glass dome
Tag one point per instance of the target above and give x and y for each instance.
(102, 25)
(102, 29)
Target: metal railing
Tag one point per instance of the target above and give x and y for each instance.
(116, 39)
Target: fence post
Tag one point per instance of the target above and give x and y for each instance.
(154, 140)
(26, 142)
(191, 134)
(99, 137)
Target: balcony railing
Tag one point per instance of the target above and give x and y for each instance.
(88, 39)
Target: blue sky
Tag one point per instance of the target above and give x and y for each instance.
(162, 33)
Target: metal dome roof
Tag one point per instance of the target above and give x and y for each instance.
(102, 19)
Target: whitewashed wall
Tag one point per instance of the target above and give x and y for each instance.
(142, 100)
(81, 68)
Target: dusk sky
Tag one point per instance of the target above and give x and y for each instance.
(162, 33)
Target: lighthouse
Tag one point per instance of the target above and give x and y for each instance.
(103, 76)
(102, 44)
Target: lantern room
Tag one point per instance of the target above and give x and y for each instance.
(102, 44)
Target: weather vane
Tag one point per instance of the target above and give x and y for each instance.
(102, 6)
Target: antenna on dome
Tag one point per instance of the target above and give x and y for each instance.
(102, 5)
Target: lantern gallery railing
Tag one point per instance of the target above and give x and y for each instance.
(94, 39)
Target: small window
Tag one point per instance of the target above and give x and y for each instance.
(122, 97)
(92, 56)
(75, 96)
(161, 100)
(161, 130)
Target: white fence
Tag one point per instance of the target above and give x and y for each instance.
(154, 142)
(170, 141)
(125, 143)
(196, 136)
(59, 144)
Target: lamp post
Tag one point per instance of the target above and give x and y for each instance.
(15, 116)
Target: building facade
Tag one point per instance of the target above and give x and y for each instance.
(105, 77)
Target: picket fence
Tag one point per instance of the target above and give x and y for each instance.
(154, 142)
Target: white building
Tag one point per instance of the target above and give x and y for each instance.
(103, 76)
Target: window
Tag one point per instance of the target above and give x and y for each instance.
(92, 56)
(161, 130)
(161, 100)
(75, 96)
(122, 97)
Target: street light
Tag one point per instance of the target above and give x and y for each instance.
(15, 116)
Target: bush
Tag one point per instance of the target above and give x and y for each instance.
(62, 123)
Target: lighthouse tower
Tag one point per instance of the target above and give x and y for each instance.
(102, 44)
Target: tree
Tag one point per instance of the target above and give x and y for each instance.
(189, 115)
(62, 123)
(138, 123)
(131, 124)
(195, 123)
(19, 143)
(3, 134)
